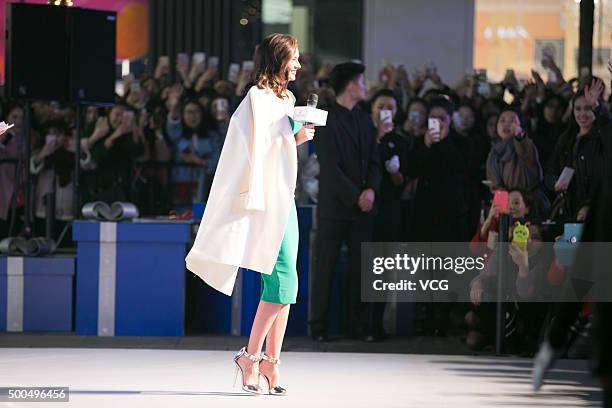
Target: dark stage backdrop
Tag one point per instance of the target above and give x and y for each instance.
(210, 26)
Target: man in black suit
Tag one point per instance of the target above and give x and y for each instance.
(349, 180)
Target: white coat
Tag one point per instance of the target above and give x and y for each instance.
(251, 194)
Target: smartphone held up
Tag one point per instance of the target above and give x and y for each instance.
(500, 200)
(385, 118)
(434, 129)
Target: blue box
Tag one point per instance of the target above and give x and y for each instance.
(130, 278)
(40, 297)
(197, 209)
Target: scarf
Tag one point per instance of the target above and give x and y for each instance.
(501, 152)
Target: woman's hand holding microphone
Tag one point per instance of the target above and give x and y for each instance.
(305, 134)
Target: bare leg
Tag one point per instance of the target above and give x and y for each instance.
(274, 343)
(264, 319)
(274, 340)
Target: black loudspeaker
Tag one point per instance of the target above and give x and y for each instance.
(37, 49)
(92, 56)
(60, 53)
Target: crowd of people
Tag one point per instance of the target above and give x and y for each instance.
(159, 144)
(398, 177)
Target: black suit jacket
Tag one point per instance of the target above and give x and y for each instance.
(349, 162)
(440, 207)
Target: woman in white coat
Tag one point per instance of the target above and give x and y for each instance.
(250, 219)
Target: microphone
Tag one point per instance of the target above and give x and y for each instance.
(313, 100)
(309, 115)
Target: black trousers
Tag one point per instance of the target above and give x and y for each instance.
(331, 234)
(387, 228)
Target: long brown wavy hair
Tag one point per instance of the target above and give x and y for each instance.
(272, 56)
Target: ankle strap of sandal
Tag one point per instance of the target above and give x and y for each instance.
(269, 359)
(251, 357)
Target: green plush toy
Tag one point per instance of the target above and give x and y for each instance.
(520, 235)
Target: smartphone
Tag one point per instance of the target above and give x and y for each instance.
(520, 235)
(565, 177)
(386, 116)
(182, 57)
(552, 76)
(5, 126)
(248, 65)
(456, 120)
(500, 200)
(221, 104)
(483, 88)
(234, 70)
(434, 128)
(55, 106)
(50, 138)
(213, 62)
(198, 58)
(119, 88)
(220, 108)
(164, 60)
(508, 97)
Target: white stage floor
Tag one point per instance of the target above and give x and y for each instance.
(114, 378)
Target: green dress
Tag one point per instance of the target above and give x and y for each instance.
(281, 286)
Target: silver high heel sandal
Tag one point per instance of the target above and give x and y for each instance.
(252, 388)
(278, 390)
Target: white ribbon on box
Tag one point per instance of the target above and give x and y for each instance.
(14, 296)
(317, 117)
(107, 278)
